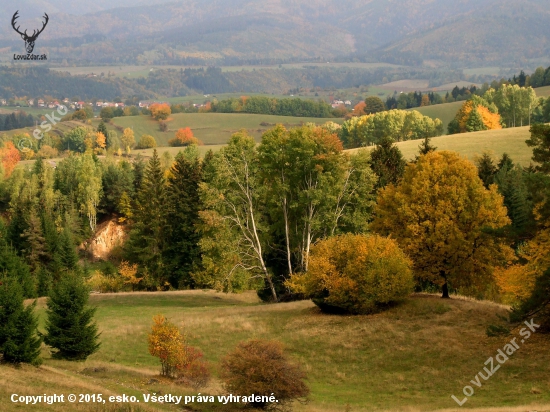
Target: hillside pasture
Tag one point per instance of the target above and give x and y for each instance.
(543, 91)
(444, 112)
(411, 358)
(212, 128)
(470, 145)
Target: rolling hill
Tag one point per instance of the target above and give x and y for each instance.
(412, 357)
(462, 33)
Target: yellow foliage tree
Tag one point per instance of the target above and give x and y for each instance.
(128, 139)
(176, 357)
(160, 111)
(438, 214)
(517, 282)
(475, 115)
(355, 273)
(168, 344)
(100, 140)
(128, 273)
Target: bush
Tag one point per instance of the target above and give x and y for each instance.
(184, 137)
(355, 274)
(177, 359)
(147, 142)
(260, 367)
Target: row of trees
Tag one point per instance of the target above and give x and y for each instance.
(17, 120)
(507, 106)
(281, 107)
(399, 125)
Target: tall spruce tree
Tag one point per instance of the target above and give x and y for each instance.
(486, 169)
(387, 162)
(70, 328)
(147, 236)
(19, 342)
(182, 252)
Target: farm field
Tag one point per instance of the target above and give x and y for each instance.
(212, 128)
(410, 358)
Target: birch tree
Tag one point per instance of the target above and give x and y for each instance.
(233, 192)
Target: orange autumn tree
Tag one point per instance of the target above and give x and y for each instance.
(359, 109)
(160, 111)
(9, 156)
(440, 214)
(184, 137)
(476, 114)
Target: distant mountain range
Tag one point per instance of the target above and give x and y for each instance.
(446, 32)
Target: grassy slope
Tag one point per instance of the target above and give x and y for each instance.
(496, 142)
(444, 112)
(543, 91)
(211, 128)
(413, 357)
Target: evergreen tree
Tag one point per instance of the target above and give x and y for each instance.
(15, 267)
(453, 127)
(70, 328)
(182, 252)
(146, 239)
(45, 281)
(54, 261)
(505, 162)
(18, 326)
(68, 255)
(486, 169)
(475, 122)
(424, 148)
(512, 185)
(35, 242)
(139, 171)
(387, 162)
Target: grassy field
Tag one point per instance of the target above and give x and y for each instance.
(211, 128)
(470, 145)
(543, 91)
(444, 112)
(410, 358)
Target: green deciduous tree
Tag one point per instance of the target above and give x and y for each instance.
(232, 193)
(374, 104)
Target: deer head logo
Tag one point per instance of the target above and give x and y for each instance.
(29, 40)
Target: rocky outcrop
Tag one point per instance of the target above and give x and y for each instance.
(108, 236)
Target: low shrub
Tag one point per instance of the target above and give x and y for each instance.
(356, 274)
(147, 142)
(261, 367)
